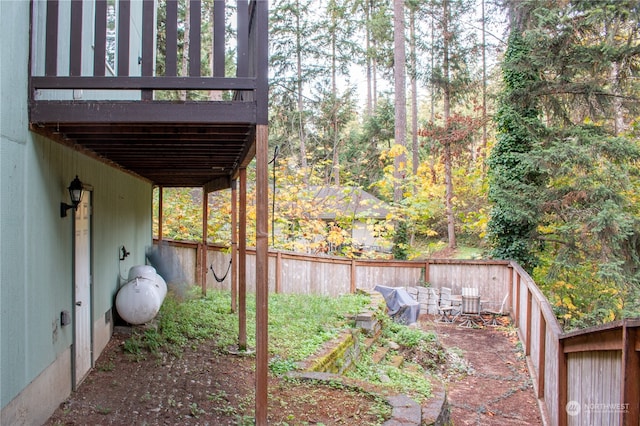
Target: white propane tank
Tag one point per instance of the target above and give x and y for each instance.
(149, 272)
(162, 286)
(144, 271)
(139, 300)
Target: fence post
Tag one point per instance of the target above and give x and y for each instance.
(517, 301)
(511, 270)
(542, 353)
(203, 271)
(198, 271)
(562, 385)
(527, 344)
(630, 392)
(278, 272)
(352, 286)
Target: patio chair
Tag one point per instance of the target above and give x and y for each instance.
(470, 291)
(470, 311)
(445, 308)
(493, 321)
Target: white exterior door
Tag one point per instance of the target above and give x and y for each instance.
(82, 293)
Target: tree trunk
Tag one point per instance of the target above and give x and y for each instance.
(414, 95)
(432, 100)
(301, 122)
(374, 67)
(448, 178)
(369, 109)
(415, 157)
(399, 66)
(618, 113)
(484, 86)
(334, 113)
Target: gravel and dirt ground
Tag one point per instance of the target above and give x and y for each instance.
(202, 387)
(487, 382)
(491, 384)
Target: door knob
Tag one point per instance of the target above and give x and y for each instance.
(79, 303)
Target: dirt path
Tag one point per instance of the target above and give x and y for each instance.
(492, 385)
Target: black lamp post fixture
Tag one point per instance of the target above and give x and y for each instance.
(75, 193)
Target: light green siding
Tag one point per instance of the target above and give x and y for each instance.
(36, 243)
(13, 134)
(37, 248)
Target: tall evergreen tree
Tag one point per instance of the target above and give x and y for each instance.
(293, 28)
(452, 79)
(514, 179)
(334, 90)
(564, 171)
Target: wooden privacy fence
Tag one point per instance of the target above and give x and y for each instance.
(332, 276)
(586, 377)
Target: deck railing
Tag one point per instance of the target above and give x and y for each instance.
(107, 47)
(584, 377)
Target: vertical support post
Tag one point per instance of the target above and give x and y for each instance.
(234, 245)
(262, 276)
(242, 263)
(261, 64)
(426, 272)
(262, 212)
(160, 209)
(205, 217)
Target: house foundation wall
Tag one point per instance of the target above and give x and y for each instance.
(102, 331)
(38, 400)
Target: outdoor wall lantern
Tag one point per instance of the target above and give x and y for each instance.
(75, 193)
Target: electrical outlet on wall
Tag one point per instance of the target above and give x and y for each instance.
(65, 318)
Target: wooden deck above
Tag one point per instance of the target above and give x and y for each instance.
(105, 79)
